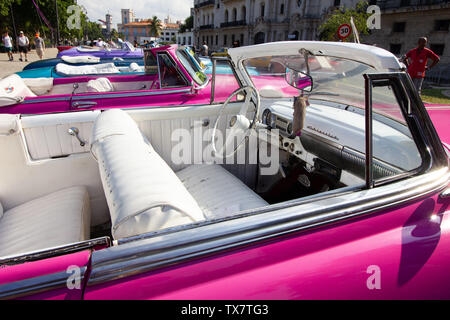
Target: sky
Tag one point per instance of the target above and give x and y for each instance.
(143, 9)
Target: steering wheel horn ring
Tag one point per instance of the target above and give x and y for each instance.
(238, 123)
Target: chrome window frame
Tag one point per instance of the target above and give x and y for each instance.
(182, 51)
(177, 68)
(213, 77)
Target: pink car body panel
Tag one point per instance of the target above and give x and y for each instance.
(41, 268)
(225, 85)
(439, 116)
(409, 245)
(127, 99)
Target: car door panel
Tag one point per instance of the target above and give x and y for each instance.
(401, 246)
(47, 137)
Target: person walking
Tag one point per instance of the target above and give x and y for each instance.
(23, 43)
(7, 42)
(416, 60)
(100, 43)
(40, 46)
(204, 49)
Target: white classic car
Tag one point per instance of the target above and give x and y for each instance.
(187, 201)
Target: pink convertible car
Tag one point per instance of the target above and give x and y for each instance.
(173, 76)
(263, 195)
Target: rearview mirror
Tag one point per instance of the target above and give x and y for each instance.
(299, 80)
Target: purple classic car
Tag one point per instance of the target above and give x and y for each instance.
(126, 51)
(325, 181)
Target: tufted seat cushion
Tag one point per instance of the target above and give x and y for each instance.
(218, 192)
(59, 218)
(142, 192)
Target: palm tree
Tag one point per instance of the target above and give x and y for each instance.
(156, 26)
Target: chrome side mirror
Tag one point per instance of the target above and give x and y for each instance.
(299, 80)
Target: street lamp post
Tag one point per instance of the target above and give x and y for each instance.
(57, 23)
(13, 22)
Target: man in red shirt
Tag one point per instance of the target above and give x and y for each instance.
(417, 59)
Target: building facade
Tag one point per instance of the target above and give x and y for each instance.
(220, 23)
(169, 31)
(185, 38)
(134, 29)
(404, 21)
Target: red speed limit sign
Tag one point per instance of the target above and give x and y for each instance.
(344, 31)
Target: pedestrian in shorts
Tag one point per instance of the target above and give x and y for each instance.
(7, 42)
(40, 46)
(23, 42)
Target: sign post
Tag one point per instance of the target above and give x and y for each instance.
(344, 31)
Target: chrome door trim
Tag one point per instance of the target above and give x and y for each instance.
(368, 133)
(130, 94)
(445, 194)
(157, 250)
(41, 100)
(31, 286)
(108, 95)
(55, 252)
(83, 104)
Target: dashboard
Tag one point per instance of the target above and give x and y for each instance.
(335, 134)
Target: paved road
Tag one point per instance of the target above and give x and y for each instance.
(9, 67)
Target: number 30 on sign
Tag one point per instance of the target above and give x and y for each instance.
(344, 31)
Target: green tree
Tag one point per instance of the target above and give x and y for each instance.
(328, 29)
(114, 34)
(156, 26)
(188, 24)
(93, 31)
(27, 18)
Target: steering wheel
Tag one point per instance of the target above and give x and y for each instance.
(239, 123)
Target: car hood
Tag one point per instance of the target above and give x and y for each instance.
(440, 114)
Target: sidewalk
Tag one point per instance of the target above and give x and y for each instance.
(9, 67)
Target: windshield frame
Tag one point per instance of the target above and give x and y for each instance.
(317, 95)
(193, 66)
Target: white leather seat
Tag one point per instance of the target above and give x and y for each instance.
(218, 192)
(134, 67)
(99, 85)
(145, 195)
(39, 86)
(80, 59)
(102, 68)
(13, 90)
(142, 192)
(62, 217)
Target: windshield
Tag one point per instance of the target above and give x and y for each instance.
(128, 46)
(193, 65)
(334, 79)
